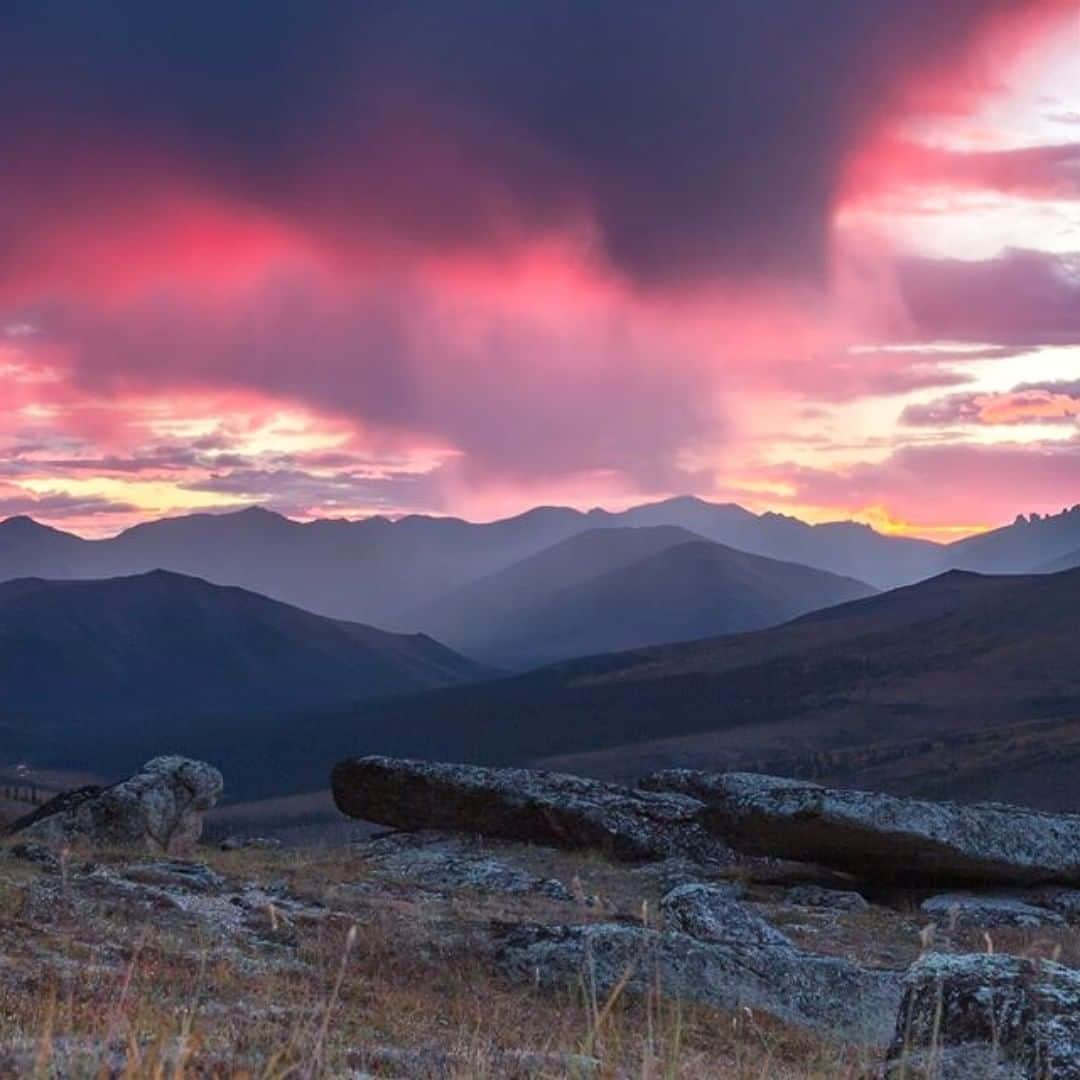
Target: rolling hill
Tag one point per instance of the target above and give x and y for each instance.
(964, 685)
(611, 589)
(101, 671)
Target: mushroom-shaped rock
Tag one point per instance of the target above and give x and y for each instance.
(159, 809)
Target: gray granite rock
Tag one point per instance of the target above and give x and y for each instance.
(160, 808)
(450, 863)
(832, 899)
(880, 836)
(546, 808)
(713, 950)
(970, 910)
(978, 1015)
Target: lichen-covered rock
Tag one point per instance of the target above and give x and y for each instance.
(552, 809)
(160, 809)
(880, 836)
(713, 950)
(987, 1015)
(967, 910)
(1066, 902)
(712, 913)
(832, 899)
(446, 864)
(250, 843)
(177, 874)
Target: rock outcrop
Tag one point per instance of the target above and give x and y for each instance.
(882, 837)
(527, 805)
(447, 864)
(714, 950)
(987, 912)
(160, 809)
(987, 1015)
(814, 896)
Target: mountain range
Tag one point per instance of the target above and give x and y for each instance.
(384, 572)
(961, 684)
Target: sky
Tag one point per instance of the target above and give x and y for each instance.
(349, 257)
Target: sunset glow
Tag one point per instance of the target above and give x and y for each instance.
(456, 303)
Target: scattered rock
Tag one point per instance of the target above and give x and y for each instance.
(1066, 902)
(669, 873)
(882, 837)
(446, 864)
(715, 951)
(523, 804)
(834, 899)
(159, 809)
(34, 853)
(967, 910)
(423, 1062)
(712, 914)
(987, 1015)
(177, 873)
(257, 843)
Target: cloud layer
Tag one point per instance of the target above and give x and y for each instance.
(434, 256)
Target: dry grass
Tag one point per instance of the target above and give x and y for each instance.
(398, 984)
(121, 994)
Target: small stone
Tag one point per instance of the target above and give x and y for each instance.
(968, 910)
(817, 897)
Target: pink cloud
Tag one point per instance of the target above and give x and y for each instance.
(1049, 403)
(946, 484)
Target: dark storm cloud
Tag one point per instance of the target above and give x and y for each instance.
(704, 136)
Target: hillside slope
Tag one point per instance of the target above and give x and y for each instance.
(612, 589)
(89, 666)
(1029, 545)
(970, 674)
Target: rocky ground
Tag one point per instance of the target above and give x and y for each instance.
(443, 953)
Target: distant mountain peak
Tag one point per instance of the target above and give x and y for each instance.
(257, 513)
(22, 526)
(22, 523)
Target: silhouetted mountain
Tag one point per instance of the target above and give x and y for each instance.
(964, 685)
(610, 589)
(1027, 546)
(28, 548)
(99, 666)
(842, 547)
(380, 571)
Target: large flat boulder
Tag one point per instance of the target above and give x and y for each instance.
(879, 836)
(714, 950)
(981, 1014)
(159, 809)
(545, 808)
